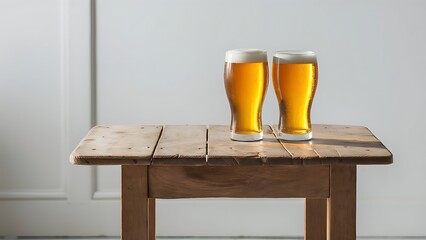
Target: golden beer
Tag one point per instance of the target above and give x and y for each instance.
(246, 82)
(295, 76)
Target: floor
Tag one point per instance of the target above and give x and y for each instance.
(207, 238)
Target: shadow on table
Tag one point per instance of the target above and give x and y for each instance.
(346, 143)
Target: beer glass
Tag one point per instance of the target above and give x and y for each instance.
(295, 75)
(246, 82)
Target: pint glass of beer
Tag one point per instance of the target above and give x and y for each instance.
(246, 82)
(295, 75)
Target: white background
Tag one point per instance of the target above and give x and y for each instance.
(161, 62)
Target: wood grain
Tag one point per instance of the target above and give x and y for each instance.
(151, 218)
(341, 206)
(187, 145)
(181, 145)
(349, 145)
(222, 151)
(300, 150)
(134, 202)
(324, 167)
(338, 144)
(240, 182)
(315, 219)
(117, 145)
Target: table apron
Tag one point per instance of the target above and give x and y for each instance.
(286, 181)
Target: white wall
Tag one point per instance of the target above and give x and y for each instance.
(30, 73)
(44, 112)
(162, 62)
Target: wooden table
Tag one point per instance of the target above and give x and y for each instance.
(195, 161)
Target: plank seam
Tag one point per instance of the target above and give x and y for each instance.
(207, 144)
(315, 151)
(156, 144)
(276, 136)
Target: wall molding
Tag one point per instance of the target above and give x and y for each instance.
(34, 195)
(61, 193)
(96, 194)
(104, 195)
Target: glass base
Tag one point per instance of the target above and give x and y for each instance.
(247, 137)
(295, 137)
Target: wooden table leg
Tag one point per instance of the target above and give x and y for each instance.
(134, 202)
(341, 206)
(151, 217)
(315, 219)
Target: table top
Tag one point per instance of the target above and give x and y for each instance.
(196, 145)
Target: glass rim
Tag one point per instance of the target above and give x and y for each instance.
(295, 52)
(246, 55)
(295, 56)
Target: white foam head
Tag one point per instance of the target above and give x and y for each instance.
(295, 56)
(246, 55)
